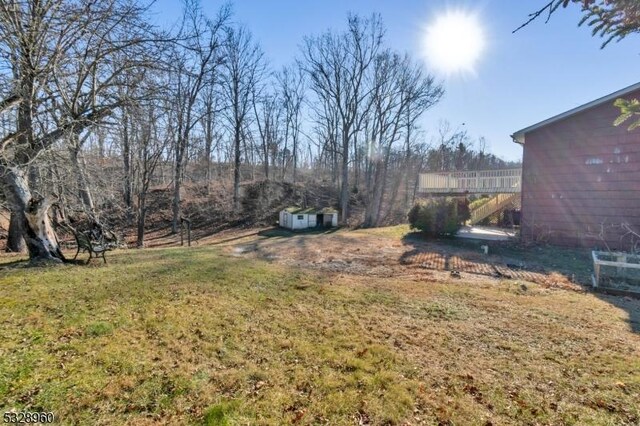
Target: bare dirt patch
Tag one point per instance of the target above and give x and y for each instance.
(374, 254)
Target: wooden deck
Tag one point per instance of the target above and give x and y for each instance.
(476, 182)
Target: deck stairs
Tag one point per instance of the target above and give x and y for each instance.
(495, 204)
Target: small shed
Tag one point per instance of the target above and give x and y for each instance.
(304, 218)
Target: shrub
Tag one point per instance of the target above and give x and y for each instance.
(443, 216)
(476, 204)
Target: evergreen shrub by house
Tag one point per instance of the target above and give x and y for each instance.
(441, 216)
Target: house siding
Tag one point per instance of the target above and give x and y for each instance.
(581, 180)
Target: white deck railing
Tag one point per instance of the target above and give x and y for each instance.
(477, 182)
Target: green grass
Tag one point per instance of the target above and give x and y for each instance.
(192, 336)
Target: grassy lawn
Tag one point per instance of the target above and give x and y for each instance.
(193, 336)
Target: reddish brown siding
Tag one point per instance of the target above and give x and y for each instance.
(581, 178)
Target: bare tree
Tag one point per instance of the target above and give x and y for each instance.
(292, 88)
(40, 40)
(268, 110)
(244, 67)
(211, 109)
(154, 132)
(337, 66)
(401, 93)
(196, 58)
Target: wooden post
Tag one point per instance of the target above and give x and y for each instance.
(620, 270)
(184, 221)
(596, 269)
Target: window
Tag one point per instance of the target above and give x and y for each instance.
(300, 217)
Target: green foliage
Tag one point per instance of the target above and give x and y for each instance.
(628, 109)
(444, 216)
(612, 20)
(475, 204)
(609, 19)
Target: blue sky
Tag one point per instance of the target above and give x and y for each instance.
(522, 78)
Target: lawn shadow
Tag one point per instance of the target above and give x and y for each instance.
(513, 260)
(234, 238)
(505, 259)
(276, 232)
(628, 303)
(278, 242)
(15, 264)
(26, 263)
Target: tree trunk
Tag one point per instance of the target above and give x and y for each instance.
(177, 177)
(208, 144)
(175, 206)
(37, 232)
(84, 192)
(344, 192)
(408, 171)
(383, 185)
(295, 158)
(126, 157)
(394, 196)
(416, 181)
(142, 213)
(356, 161)
(15, 242)
(375, 195)
(236, 169)
(265, 147)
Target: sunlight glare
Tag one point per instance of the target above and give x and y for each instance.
(454, 42)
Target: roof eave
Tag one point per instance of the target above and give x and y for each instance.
(519, 136)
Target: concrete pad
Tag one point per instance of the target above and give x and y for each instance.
(486, 233)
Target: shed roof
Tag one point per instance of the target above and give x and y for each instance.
(309, 210)
(519, 136)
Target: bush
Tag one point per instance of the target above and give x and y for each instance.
(443, 216)
(476, 204)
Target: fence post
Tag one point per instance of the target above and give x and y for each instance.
(184, 221)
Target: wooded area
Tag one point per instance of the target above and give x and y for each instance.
(99, 107)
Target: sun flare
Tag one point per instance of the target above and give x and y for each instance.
(454, 42)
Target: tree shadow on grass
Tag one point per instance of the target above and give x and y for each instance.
(26, 263)
(513, 260)
(14, 265)
(573, 264)
(287, 233)
(629, 304)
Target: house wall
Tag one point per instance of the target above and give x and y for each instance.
(581, 173)
(287, 220)
(299, 223)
